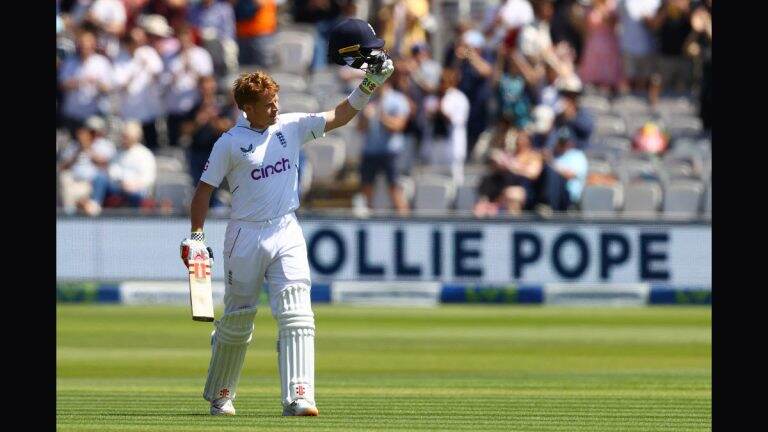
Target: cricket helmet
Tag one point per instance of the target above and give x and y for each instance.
(352, 42)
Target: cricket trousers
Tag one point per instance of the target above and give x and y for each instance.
(274, 252)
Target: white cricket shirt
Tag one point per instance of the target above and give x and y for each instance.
(261, 167)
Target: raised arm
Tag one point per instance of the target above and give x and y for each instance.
(348, 108)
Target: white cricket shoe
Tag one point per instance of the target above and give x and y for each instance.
(223, 407)
(300, 407)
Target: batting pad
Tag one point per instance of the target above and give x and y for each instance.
(228, 345)
(296, 344)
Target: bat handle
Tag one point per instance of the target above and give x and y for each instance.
(210, 253)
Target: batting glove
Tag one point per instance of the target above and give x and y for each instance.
(373, 81)
(195, 248)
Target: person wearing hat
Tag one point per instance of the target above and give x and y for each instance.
(565, 173)
(570, 114)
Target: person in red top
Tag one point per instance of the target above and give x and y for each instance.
(256, 22)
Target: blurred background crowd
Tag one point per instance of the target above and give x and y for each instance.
(496, 107)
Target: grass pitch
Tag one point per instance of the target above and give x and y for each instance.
(474, 368)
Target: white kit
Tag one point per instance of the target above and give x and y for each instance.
(264, 242)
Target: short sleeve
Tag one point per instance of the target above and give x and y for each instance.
(309, 126)
(218, 164)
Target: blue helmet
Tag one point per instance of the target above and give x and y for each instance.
(353, 42)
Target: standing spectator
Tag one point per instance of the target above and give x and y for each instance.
(445, 143)
(401, 21)
(700, 47)
(565, 174)
(256, 25)
(159, 34)
(475, 64)
(510, 185)
(507, 19)
(637, 42)
(568, 24)
(131, 174)
(601, 62)
(184, 72)
(109, 17)
(137, 75)
(383, 121)
(82, 161)
(215, 23)
(673, 26)
(572, 116)
(85, 79)
(208, 122)
(324, 15)
(174, 11)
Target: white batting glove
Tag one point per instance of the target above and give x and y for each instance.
(195, 248)
(373, 81)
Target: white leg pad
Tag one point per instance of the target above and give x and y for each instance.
(228, 345)
(296, 344)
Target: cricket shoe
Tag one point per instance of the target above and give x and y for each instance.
(222, 407)
(300, 407)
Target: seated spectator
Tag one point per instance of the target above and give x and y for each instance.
(85, 79)
(383, 121)
(445, 142)
(130, 176)
(571, 115)
(209, 121)
(82, 161)
(137, 79)
(564, 175)
(184, 72)
(256, 24)
(510, 186)
(215, 23)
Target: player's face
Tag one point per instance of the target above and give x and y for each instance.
(263, 112)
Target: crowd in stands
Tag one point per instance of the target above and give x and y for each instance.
(528, 105)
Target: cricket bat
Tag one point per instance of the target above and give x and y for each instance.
(200, 290)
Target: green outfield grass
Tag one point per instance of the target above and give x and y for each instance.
(450, 368)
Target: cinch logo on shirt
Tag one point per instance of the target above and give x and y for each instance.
(277, 167)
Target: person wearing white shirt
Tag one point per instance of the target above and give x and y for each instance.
(183, 73)
(259, 158)
(445, 144)
(137, 71)
(131, 175)
(85, 79)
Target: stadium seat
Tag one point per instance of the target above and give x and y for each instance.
(326, 156)
(683, 126)
(599, 167)
(298, 102)
(466, 195)
(169, 164)
(642, 199)
(630, 104)
(596, 104)
(609, 125)
(294, 51)
(289, 82)
(176, 191)
(381, 199)
(599, 200)
(682, 199)
(433, 197)
(629, 169)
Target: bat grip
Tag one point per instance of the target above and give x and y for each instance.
(210, 253)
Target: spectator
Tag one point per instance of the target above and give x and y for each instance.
(174, 11)
(208, 122)
(82, 161)
(515, 95)
(130, 177)
(324, 15)
(475, 63)
(215, 23)
(563, 177)
(445, 142)
(85, 79)
(535, 42)
(507, 19)
(568, 24)
(184, 72)
(402, 26)
(601, 62)
(673, 26)
(256, 22)
(137, 79)
(109, 17)
(637, 43)
(383, 121)
(700, 46)
(159, 34)
(510, 186)
(426, 73)
(571, 115)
